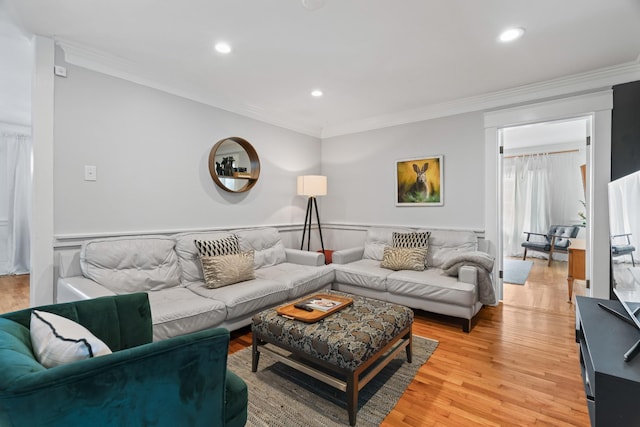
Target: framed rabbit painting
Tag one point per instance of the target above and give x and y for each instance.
(419, 181)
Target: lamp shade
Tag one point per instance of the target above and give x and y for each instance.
(312, 185)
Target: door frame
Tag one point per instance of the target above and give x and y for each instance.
(596, 105)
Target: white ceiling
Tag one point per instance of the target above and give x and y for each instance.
(375, 60)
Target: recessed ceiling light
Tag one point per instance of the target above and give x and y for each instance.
(222, 47)
(316, 92)
(511, 34)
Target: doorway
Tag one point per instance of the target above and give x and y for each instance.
(543, 183)
(598, 106)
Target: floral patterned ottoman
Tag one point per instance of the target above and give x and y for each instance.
(369, 332)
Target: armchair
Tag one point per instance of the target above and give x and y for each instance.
(625, 248)
(555, 240)
(179, 381)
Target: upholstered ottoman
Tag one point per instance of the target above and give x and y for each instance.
(367, 334)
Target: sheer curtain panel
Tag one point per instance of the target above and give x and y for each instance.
(539, 190)
(18, 201)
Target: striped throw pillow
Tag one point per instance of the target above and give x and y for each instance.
(411, 240)
(404, 258)
(224, 246)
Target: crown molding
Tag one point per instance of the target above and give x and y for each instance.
(599, 79)
(86, 57)
(116, 66)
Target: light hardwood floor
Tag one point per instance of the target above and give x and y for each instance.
(518, 366)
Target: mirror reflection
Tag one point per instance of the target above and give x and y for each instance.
(232, 160)
(234, 164)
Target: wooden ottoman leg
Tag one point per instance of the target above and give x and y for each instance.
(352, 396)
(255, 354)
(409, 348)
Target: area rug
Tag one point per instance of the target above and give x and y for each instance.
(280, 396)
(516, 271)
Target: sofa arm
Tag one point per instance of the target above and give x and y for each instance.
(162, 383)
(297, 256)
(468, 274)
(346, 256)
(78, 288)
(236, 400)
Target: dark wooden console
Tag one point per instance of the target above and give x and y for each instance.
(611, 384)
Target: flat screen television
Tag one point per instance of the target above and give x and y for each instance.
(624, 227)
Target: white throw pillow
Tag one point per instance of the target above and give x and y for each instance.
(57, 340)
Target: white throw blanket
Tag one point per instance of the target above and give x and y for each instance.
(484, 263)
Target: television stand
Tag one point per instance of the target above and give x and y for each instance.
(611, 384)
(629, 354)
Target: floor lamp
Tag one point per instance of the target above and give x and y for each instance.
(312, 186)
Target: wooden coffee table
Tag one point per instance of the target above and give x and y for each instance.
(344, 350)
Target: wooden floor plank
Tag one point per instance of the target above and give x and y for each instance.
(518, 366)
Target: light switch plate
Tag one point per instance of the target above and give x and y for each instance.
(60, 71)
(90, 173)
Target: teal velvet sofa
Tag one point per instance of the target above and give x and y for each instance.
(181, 381)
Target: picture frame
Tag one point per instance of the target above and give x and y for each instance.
(419, 181)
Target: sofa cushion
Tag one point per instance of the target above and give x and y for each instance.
(445, 243)
(178, 311)
(365, 273)
(188, 256)
(299, 279)
(131, 264)
(431, 285)
(225, 270)
(377, 239)
(57, 340)
(266, 244)
(246, 297)
(404, 258)
(224, 246)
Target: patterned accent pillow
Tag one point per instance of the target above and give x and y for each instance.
(224, 246)
(412, 240)
(404, 258)
(226, 270)
(57, 340)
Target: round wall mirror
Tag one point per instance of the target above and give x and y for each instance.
(234, 165)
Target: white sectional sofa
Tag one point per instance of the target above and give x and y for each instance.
(457, 280)
(169, 270)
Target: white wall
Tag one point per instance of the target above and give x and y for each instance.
(361, 174)
(42, 271)
(151, 151)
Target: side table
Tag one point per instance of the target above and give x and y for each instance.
(576, 263)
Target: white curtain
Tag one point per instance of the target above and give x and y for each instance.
(18, 181)
(540, 190)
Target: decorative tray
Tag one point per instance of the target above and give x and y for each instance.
(317, 306)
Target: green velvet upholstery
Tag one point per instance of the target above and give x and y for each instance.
(181, 381)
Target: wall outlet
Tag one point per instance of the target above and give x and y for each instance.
(90, 173)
